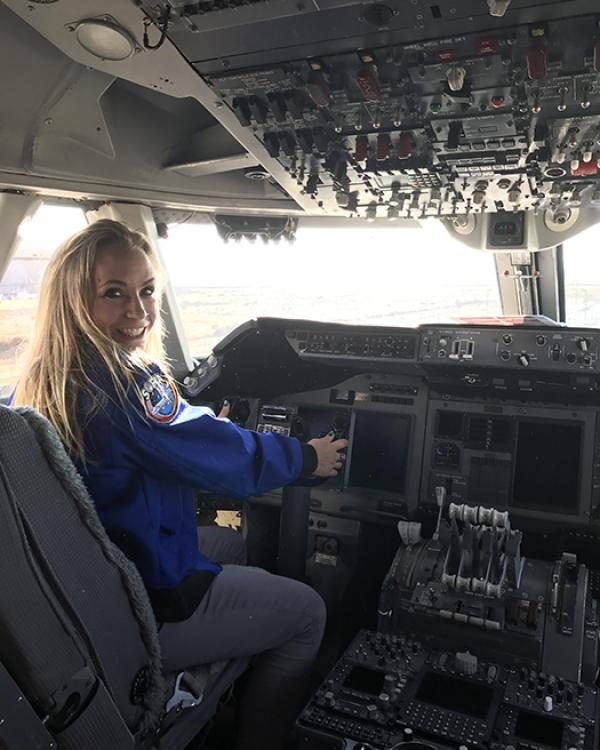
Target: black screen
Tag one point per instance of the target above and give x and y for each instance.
(536, 728)
(379, 451)
(449, 424)
(444, 691)
(365, 680)
(547, 466)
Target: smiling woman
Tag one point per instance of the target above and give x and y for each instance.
(94, 370)
(124, 305)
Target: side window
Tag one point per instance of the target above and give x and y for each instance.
(20, 285)
(582, 278)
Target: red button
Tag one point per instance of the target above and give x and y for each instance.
(485, 45)
(446, 54)
(497, 101)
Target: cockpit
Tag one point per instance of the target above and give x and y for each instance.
(376, 220)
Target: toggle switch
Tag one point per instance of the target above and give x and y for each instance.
(362, 148)
(405, 146)
(272, 144)
(258, 109)
(295, 103)
(366, 79)
(455, 133)
(305, 139)
(278, 106)
(317, 88)
(562, 102)
(498, 7)
(242, 109)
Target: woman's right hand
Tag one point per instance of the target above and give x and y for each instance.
(329, 458)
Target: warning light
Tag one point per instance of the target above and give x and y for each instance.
(486, 45)
(446, 54)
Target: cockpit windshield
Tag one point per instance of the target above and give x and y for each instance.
(582, 278)
(379, 276)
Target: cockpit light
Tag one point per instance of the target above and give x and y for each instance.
(105, 39)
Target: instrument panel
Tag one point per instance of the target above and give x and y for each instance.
(498, 415)
(411, 109)
(389, 688)
(465, 463)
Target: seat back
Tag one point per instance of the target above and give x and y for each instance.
(77, 633)
(79, 646)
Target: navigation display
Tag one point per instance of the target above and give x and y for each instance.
(454, 694)
(364, 680)
(380, 444)
(547, 466)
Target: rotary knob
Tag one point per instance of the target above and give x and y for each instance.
(465, 663)
(498, 7)
(456, 77)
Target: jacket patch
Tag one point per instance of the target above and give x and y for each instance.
(161, 399)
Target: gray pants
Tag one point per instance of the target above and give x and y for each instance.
(248, 612)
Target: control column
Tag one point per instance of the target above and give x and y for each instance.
(293, 532)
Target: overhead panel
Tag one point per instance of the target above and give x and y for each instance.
(411, 109)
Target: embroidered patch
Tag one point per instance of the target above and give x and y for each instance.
(161, 399)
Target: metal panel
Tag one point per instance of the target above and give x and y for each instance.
(20, 727)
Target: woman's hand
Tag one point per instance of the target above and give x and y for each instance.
(225, 409)
(329, 460)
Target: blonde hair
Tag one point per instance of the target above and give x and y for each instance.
(67, 347)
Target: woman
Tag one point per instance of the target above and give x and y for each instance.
(95, 370)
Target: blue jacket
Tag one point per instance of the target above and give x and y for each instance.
(143, 463)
